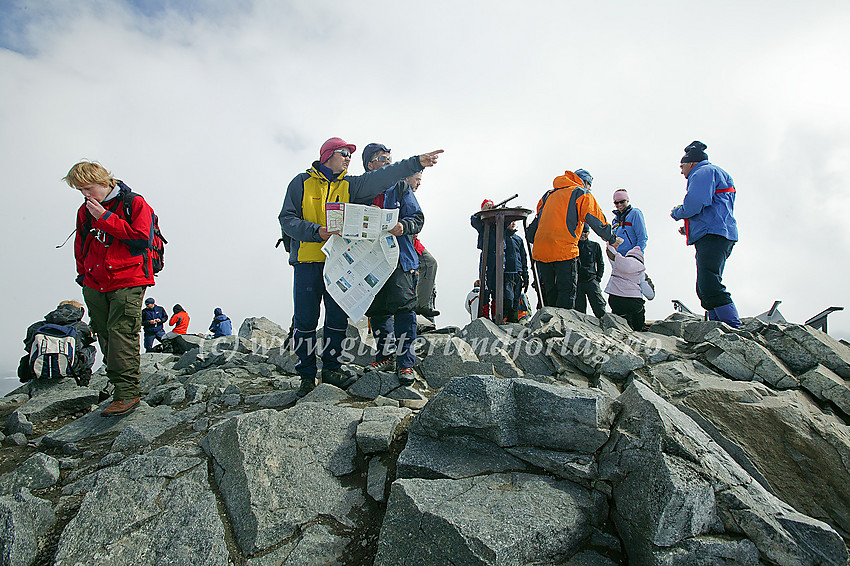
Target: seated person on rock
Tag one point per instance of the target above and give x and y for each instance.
(59, 346)
(220, 325)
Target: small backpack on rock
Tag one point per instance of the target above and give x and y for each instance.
(54, 351)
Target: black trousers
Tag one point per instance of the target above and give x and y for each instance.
(558, 282)
(630, 308)
(589, 291)
(712, 251)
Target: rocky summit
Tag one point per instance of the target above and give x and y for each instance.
(564, 440)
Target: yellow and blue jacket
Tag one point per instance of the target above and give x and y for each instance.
(303, 209)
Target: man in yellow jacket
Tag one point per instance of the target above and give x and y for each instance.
(562, 213)
(302, 219)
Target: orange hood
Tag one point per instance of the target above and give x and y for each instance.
(568, 179)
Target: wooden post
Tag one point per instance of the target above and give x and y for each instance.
(496, 219)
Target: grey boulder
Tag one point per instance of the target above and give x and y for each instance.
(504, 519)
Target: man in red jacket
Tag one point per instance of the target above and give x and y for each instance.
(113, 272)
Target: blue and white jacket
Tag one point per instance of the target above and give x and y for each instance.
(709, 204)
(410, 216)
(631, 227)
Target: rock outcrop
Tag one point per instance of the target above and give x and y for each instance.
(563, 440)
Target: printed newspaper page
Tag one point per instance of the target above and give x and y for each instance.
(355, 270)
(359, 221)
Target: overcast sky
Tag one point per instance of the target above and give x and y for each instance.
(208, 109)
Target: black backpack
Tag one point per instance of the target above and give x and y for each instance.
(155, 248)
(531, 229)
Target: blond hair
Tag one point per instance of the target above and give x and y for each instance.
(88, 173)
(76, 304)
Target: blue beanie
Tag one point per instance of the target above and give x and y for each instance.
(584, 176)
(371, 150)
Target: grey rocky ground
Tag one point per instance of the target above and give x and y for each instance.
(563, 440)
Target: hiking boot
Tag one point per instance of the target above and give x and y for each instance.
(427, 312)
(120, 407)
(337, 378)
(382, 365)
(307, 385)
(406, 376)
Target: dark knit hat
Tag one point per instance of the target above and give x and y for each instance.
(695, 152)
(371, 150)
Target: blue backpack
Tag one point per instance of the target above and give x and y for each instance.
(54, 351)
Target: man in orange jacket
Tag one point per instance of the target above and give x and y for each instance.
(568, 206)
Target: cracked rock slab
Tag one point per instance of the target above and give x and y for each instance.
(803, 347)
(519, 412)
(277, 471)
(503, 519)
(64, 398)
(379, 428)
(316, 546)
(747, 360)
(827, 385)
(453, 457)
(23, 519)
(149, 510)
(39, 471)
(672, 483)
(94, 424)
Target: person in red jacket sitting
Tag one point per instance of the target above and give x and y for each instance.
(179, 320)
(113, 273)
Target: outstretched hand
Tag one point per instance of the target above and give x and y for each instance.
(430, 159)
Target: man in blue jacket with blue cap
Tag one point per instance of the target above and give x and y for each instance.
(220, 325)
(153, 316)
(391, 313)
(711, 228)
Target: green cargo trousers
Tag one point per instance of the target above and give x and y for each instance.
(116, 318)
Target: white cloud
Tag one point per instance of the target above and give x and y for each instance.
(209, 115)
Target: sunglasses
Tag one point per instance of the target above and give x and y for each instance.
(343, 152)
(620, 201)
(383, 159)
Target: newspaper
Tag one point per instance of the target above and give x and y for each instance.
(355, 270)
(359, 221)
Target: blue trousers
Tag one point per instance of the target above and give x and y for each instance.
(309, 293)
(155, 332)
(712, 251)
